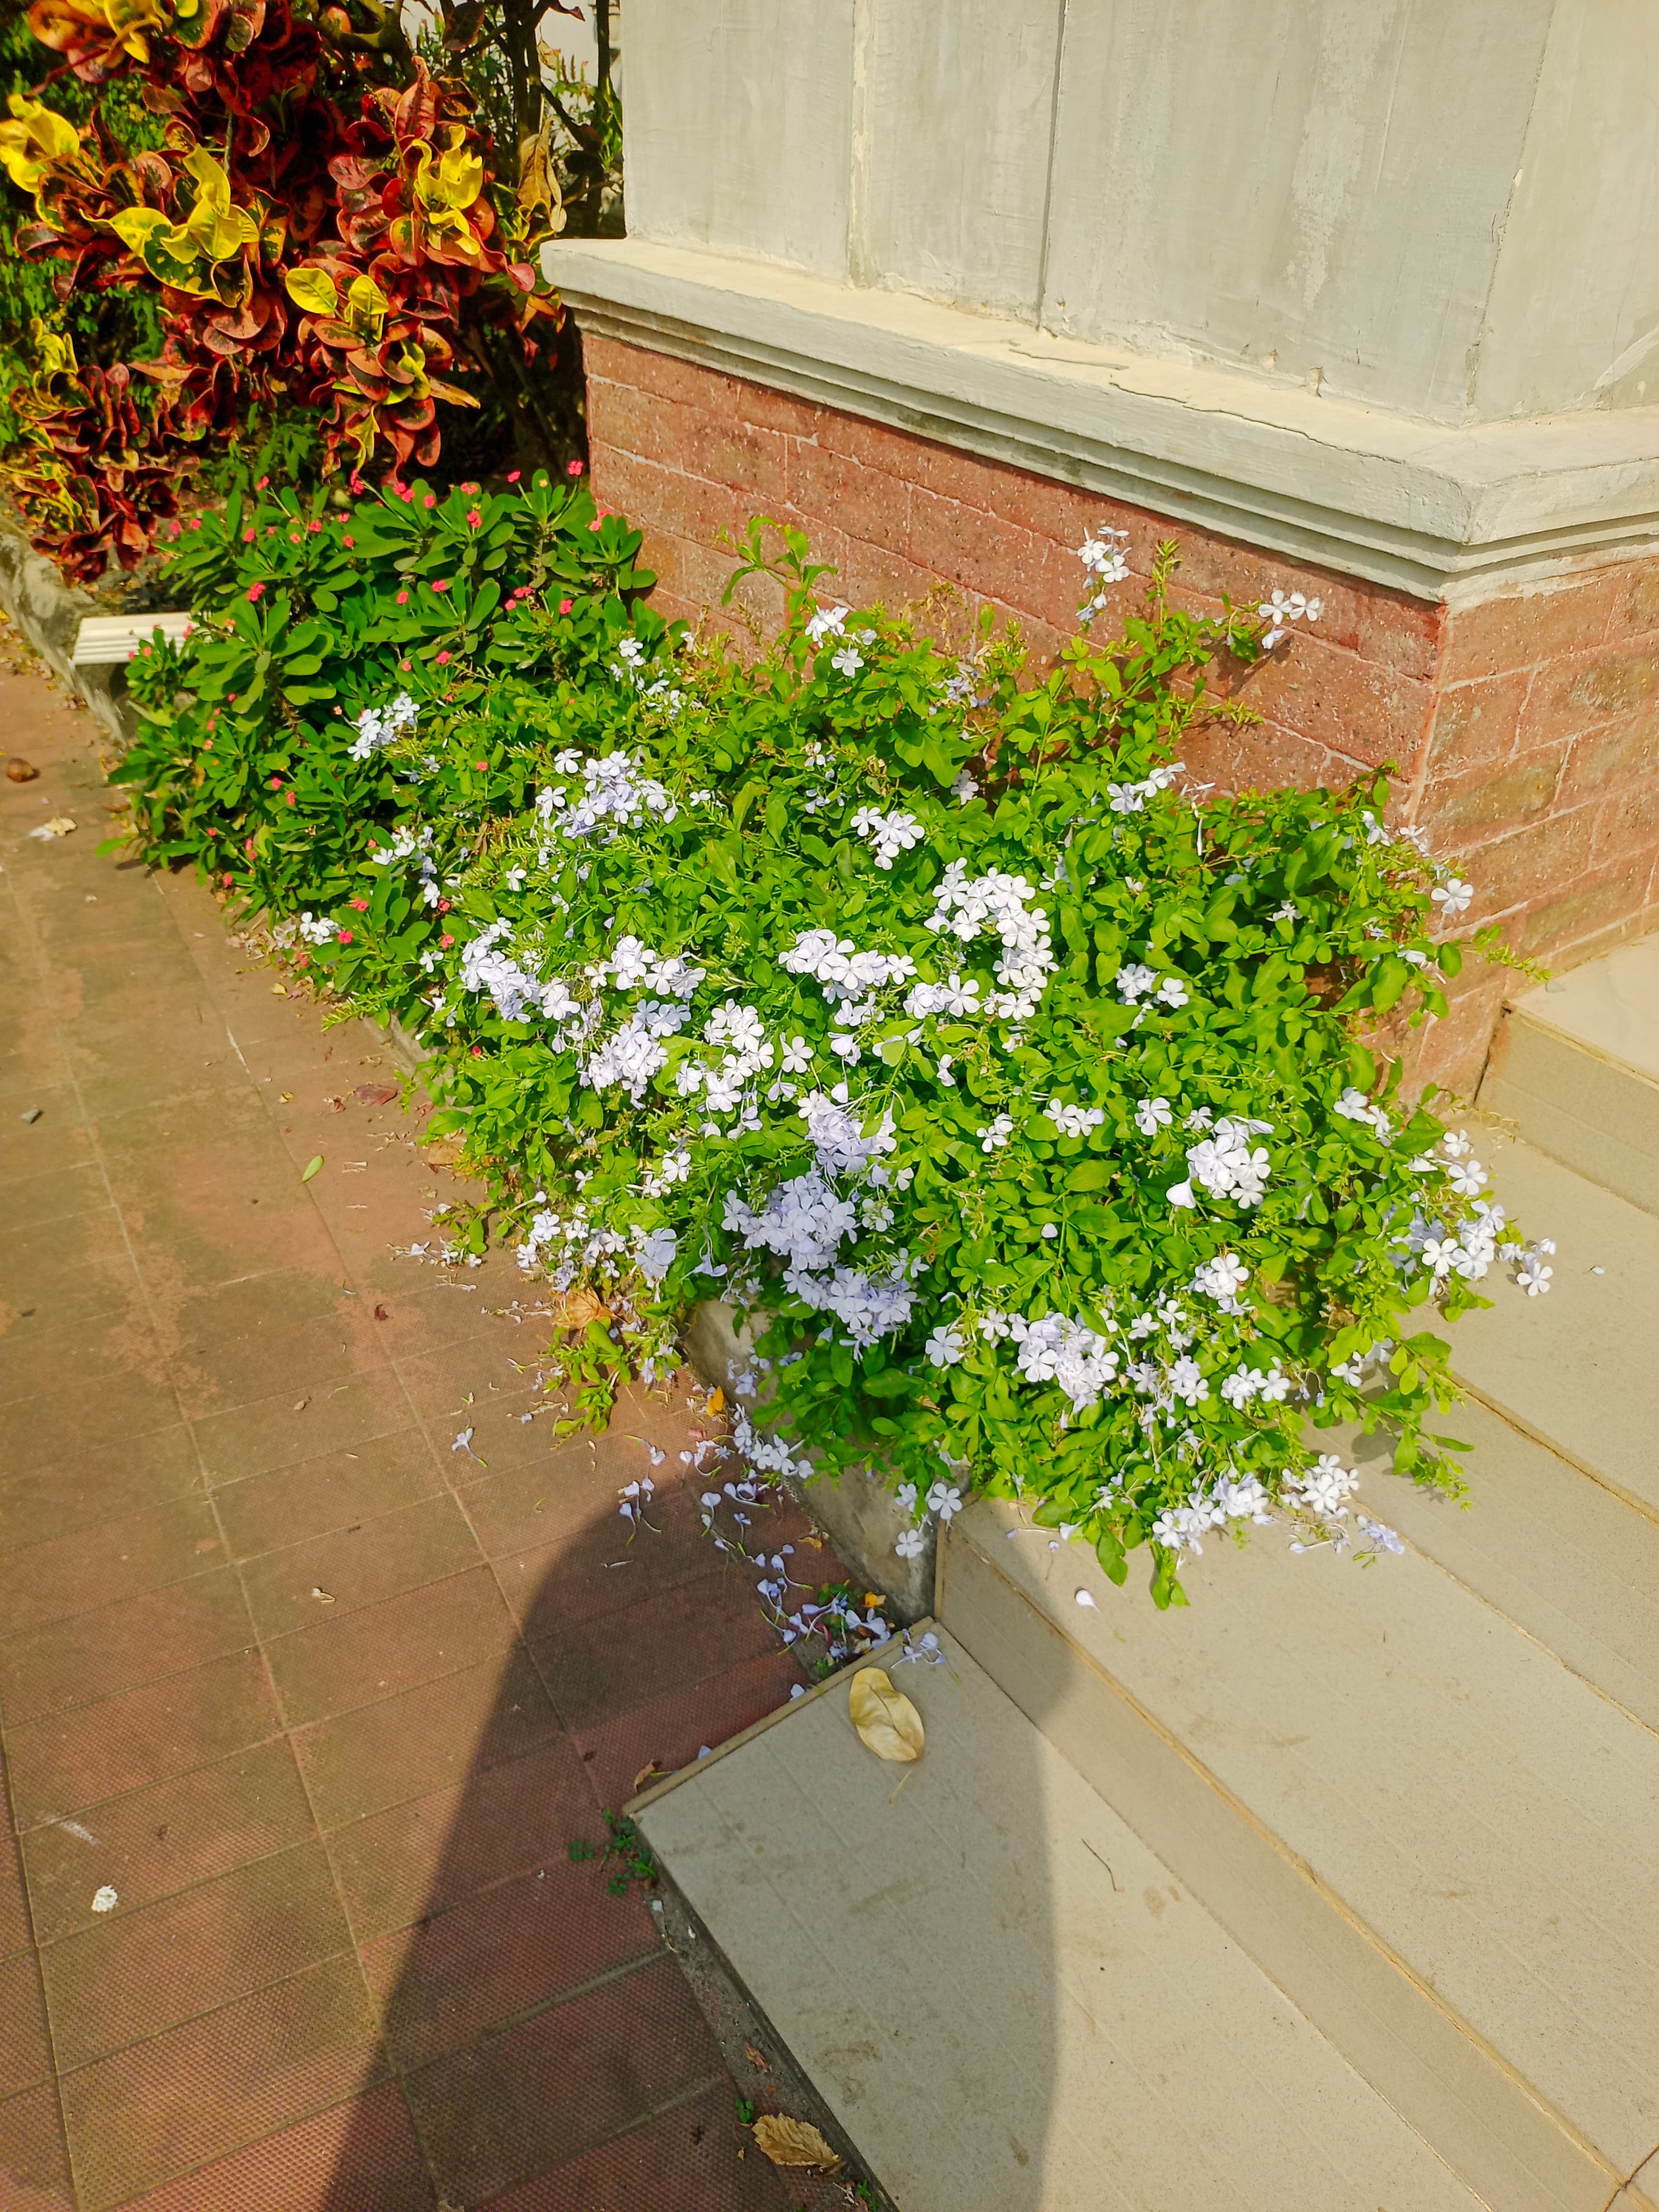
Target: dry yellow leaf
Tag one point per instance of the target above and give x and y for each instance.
(576, 1309)
(716, 1403)
(795, 2143)
(885, 1718)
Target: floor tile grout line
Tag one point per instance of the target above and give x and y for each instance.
(541, 2007)
(376, 2012)
(287, 1733)
(210, 2011)
(43, 971)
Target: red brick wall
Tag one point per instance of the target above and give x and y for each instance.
(1524, 731)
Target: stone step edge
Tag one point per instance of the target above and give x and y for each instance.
(1518, 1014)
(1554, 1445)
(1467, 2103)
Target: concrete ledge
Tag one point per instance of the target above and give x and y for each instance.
(1445, 514)
(860, 1515)
(50, 612)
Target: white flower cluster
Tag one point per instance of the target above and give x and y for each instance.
(1354, 1106)
(1131, 798)
(806, 1219)
(1056, 1349)
(1222, 1279)
(1135, 981)
(630, 667)
(1235, 1497)
(317, 928)
(964, 905)
(1105, 557)
(379, 726)
(838, 966)
(1073, 1121)
(1284, 608)
(1322, 1487)
(888, 834)
(613, 790)
(1227, 1165)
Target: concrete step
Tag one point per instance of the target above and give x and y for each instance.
(1008, 1999)
(1576, 1067)
(1389, 1834)
(1435, 1837)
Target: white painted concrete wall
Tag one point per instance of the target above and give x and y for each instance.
(737, 128)
(951, 147)
(1446, 207)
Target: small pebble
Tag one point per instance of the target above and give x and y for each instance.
(31, 1113)
(106, 1900)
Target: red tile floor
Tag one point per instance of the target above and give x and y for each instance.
(324, 1700)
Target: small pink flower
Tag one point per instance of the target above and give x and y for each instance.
(430, 500)
(263, 481)
(360, 904)
(255, 591)
(595, 523)
(443, 661)
(443, 906)
(196, 522)
(573, 468)
(473, 519)
(345, 937)
(405, 666)
(469, 489)
(514, 475)
(248, 538)
(292, 801)
(351, 542)
(314, 528)
(565, 606)
(445, 942)
(442, 584)
(403, 598)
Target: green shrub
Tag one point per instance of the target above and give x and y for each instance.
(907, 1000)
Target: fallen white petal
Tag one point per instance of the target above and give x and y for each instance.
(1087, 1597)
(106, 1900)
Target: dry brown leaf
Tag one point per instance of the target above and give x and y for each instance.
(444, 1153)
(795, 2143)
(575, 1309)
(755, 2057)
(885, 1718)
(646, 1776)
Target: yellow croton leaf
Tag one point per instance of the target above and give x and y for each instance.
(217, 228)
(459, 179)
(366, 305)
(33, 139)
(131, 19)
(313, 289)
(136, 226)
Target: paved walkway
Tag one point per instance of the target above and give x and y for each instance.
(322, 1700)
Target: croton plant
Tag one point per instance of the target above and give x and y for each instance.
(324, 220)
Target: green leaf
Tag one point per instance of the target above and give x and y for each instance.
(312, 1168)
